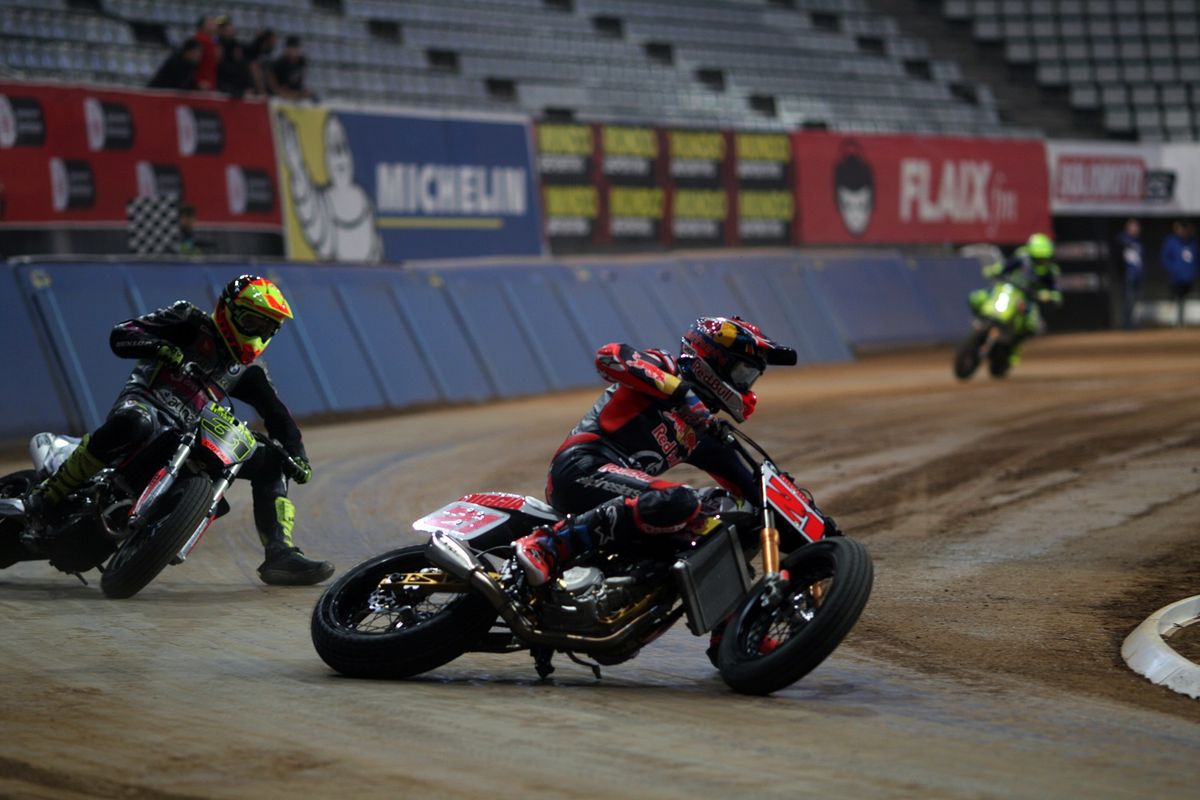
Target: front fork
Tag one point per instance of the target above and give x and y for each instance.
(219, 489)
(773, 579)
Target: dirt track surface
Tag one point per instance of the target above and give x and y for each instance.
(1020, 530)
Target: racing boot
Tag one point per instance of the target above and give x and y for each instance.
(284, 564)
(543, 553)
(77, 470)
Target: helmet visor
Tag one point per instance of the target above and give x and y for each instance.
(251, 323)
(743, 375)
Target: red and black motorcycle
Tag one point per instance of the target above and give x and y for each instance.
(411, 610)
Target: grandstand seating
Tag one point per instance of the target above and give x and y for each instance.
(1136, 62)
(768, 64)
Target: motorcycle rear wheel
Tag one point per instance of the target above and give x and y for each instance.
(147, 553)
(16, 484)
(366, 628)
(766, 648)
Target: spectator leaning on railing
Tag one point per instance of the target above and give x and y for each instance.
(259, 54)
(233, 70)
(179, 70)
(286, 77)
(210, 53)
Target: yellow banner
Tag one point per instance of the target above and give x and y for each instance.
(763, 147)
(766, 204)
(622, 141)
(700, 204)
(635, 201)
(572, 201)
(575, 140)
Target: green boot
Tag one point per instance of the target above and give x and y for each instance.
(77, 470)
(284, 563)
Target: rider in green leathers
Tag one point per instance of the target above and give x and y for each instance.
(1030, 268)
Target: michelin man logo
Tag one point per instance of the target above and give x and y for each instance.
(336, 218)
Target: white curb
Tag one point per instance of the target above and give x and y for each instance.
(1148, 654)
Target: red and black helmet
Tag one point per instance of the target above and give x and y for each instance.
(724, 356)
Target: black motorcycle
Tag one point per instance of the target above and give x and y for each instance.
(132, 520)
(411, 610)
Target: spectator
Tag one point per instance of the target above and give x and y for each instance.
(1129, 250)
(233, 73)
(286, 78)
(189, 245)
(179, 70)
(1179, 258)
(206, 69)
(258, 56)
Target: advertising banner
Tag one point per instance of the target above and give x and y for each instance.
(567, 161)
(765, 199)
(73, 157)
(375, 185)
(631, 179)
(1116, 179)
(864, 189)
(698, 172)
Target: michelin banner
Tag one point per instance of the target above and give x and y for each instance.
(1115, 179)
(367, 186)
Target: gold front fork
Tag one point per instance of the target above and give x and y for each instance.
(770, 550)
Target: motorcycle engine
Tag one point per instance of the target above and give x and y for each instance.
(583, 598)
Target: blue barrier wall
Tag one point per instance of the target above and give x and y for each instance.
(368, 338)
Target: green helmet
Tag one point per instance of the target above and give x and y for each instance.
(1040, 246)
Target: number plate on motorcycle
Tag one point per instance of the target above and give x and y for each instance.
(461, 519)
(787, 500)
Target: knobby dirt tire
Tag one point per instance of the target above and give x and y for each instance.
(147, 553)
(432, 642)
(853, 574)
(998, 360)
(966, 357)
(16, 484)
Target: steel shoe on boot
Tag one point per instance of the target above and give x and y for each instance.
(539, 555)
(288, 566)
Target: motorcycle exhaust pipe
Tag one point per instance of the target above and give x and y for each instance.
(448, 553)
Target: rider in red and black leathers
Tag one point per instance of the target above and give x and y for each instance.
(656, 414)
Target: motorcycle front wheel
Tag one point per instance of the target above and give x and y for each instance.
(770, 645)
(148, 551)
(395, 616)
(966, 358)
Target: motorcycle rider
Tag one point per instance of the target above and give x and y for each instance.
(226, 344)
(657, 413)
(1032, 269)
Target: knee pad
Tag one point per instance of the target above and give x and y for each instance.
(668, 510)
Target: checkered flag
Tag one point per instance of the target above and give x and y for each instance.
(153, 225)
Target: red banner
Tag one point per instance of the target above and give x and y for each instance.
(865, 189)
(79, 154)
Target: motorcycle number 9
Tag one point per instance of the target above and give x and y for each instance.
(788, 501)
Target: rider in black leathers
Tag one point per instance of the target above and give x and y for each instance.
(226, 345)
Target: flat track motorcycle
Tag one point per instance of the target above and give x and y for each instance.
(1000, 318)
(133, 520)
(411, 610)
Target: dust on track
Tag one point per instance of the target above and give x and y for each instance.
(1020, 528)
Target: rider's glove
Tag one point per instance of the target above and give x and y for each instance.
(694, 413)
(303, 470)
(1050, 296)
(170, 355)
(993, 270)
